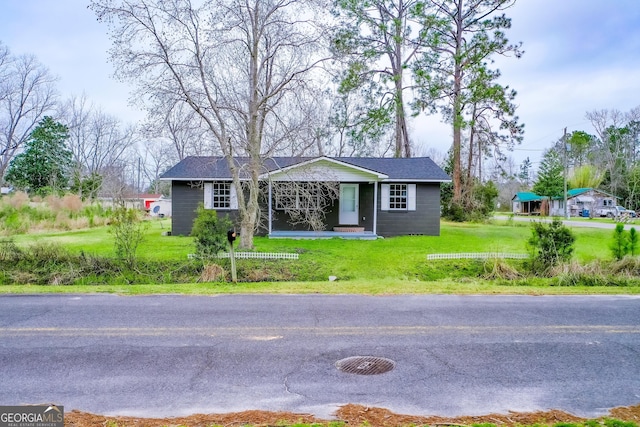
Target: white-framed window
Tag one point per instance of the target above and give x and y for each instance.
(220, 195)
(398, 197)
(298, 196)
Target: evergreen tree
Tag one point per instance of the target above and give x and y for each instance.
(550, 181)
(525, 171)
(45, 165)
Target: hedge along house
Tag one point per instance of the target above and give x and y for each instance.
(359, 197)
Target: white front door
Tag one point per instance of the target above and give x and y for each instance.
(349, 204)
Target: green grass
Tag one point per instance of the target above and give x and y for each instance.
(384, 266)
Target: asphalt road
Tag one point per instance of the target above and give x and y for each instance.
(454, 355)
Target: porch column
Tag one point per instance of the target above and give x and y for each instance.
(375, 207)
(270, 214)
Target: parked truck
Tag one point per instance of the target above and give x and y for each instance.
(614, 212)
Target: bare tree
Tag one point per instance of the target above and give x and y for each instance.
(182, 128)
(98, 141)
(618, 145)
(155, 158)
(27, 93)
(239, 64)
(306, 203)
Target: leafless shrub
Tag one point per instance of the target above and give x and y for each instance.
(212, 273)
(497, 268)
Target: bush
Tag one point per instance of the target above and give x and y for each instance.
(128, 231)
(550, 244)
(210, 232)
(624, 243)
(620, 245)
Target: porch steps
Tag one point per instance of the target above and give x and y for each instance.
(365, 235)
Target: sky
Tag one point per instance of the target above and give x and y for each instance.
(579, 56)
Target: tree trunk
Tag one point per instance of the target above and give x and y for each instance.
(457, 109)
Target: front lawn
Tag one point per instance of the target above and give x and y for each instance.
(383, 266)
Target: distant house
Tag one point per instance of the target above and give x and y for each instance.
(580, 202)
(528, 203)
(147, 199)
(584, 202)
(377, 196)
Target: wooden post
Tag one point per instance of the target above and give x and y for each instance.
(232, 256)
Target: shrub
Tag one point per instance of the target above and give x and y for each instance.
(500, 269)
(210, 232)
(213, 273)
(550, 244)
(128, 231)
(620, 245)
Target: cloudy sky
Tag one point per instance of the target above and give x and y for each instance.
(580, 55)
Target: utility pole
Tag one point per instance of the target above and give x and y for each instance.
(564, 146)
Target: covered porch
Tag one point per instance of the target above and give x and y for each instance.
(351, 215)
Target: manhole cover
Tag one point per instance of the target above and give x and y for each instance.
(365, 365)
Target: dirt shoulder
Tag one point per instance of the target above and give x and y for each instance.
(353, 415)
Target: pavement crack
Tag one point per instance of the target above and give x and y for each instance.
(286, 383)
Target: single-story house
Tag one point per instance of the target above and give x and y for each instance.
(148, 199)
(580, 202)
(583, 202)
(528, 203)
(374, 196)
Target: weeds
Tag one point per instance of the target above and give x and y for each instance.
(19, 214)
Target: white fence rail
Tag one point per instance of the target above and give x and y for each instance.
(253, 255)
(477, 255)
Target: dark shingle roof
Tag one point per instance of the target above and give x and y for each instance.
(412, 169)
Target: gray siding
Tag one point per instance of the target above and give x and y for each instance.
(184, 203)
(425, 220)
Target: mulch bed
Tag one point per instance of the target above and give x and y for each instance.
(353, 415)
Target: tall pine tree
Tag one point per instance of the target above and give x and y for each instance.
(550, 180)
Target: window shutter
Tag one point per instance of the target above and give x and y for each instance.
(208, 193)
(411, 197)
(384, 197)
(233, 197)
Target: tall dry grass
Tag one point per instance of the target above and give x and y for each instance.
(16, 200)
(19, 214)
